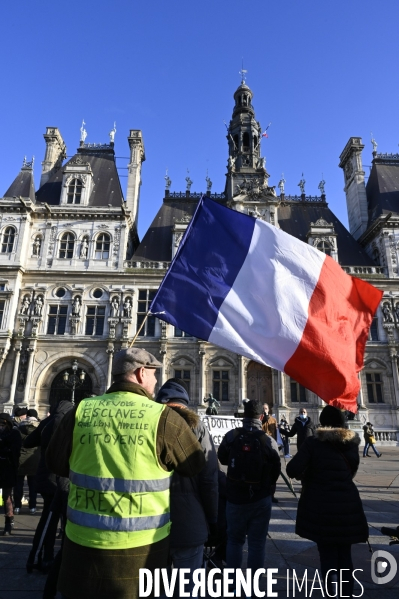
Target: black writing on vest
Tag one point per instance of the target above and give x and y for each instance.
(108, 502)
(112, 439)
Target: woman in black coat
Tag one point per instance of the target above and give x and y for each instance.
(10, 448)
(330, 510)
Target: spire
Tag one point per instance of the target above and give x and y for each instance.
(23, 185)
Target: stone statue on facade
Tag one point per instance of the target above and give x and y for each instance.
(168, 181)
(281, 184)
(84, 248)
(115, 307)
(76, 306)
(386, 312)
(213, 404)
(83, 132)
(261, 162)
(230, 163)
(321, 186)
(37, 244)
(301, 185)
(188, 181)
(112, 134)
(127, 308)
(374, 144)
(37, 311)
(25, 305)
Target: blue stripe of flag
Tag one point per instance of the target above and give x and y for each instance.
(208, 260)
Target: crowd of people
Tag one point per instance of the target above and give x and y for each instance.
(136, 482)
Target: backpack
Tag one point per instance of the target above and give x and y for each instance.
(247, 464)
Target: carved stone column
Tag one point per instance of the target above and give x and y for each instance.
(110, 352)
(394, 361)
(4, 352)
(201, 381)
(163, 352)
(31, 356)
(17, 349)
(281, 390)
(241, 382)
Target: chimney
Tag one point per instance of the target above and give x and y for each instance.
(355, 189)
(137, 157)
(55, 153)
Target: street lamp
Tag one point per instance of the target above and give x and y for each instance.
(74, 380)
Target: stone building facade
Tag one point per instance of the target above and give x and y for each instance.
(76, 282)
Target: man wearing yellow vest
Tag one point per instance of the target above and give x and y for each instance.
(119, 451)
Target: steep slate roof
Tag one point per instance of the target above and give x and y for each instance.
(157, 242)
(383, 188)
(294, 218)
(23, 185)
(106, 189)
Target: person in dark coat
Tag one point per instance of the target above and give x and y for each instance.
(303, 428)
(46, 484)
(330, 510)
(10, 448)
(28, 464)
(369, 441)
(193, 501)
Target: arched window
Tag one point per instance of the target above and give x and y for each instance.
(74, 191)
(66, 245)
(245, 142)
(7, 243)
(325, 247)
(102, 246)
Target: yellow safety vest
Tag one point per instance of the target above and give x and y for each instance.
(119, 493)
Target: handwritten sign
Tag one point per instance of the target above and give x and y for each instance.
(218, 426)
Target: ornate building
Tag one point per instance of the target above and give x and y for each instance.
(76, 283)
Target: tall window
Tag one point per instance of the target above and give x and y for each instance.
(298, 392)
(221, 385)
(2, 304)
(95, 317)
(184, 375)
(7, 243)
(374, 387)
(145, 298)
(180, 333)
(373, 334)
(325, 247)
(74, 191)
(66, 245)
(57, 320)
(102, 246)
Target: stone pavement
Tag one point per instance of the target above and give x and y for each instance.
(378, 483)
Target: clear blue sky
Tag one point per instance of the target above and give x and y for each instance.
(320, 72)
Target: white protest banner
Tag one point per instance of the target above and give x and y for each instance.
(218, 426)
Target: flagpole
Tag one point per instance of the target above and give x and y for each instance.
(141, 326)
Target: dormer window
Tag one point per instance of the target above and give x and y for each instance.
(7, 243)
(74, 191)
(324, 247)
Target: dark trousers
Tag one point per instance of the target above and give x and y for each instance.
(19, 490)
(42, 528)
(336, 557)
(7, 502)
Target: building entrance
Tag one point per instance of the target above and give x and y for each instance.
(259, 383)
(59, 391)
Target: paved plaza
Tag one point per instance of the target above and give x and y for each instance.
(378, 483)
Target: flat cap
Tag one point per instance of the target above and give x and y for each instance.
(130, 359)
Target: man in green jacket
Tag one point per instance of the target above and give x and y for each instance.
(119, 451)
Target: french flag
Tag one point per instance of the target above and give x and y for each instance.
(245, 285)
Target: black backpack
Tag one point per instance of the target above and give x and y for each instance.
(248, 464)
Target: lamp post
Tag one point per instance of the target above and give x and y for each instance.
(74, 380)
